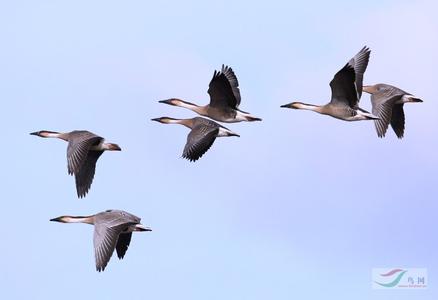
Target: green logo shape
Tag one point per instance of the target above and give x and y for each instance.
(394, 282)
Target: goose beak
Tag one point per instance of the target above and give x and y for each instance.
(35, 133)
(289, 105)
(367, 89)
(167, 101)
(58, 219)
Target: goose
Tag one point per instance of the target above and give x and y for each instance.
(224, 99)
(387, 102)
(112, 230)
(346, 88)
(83, 150)
(202, 135)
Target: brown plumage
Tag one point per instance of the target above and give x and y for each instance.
(83, 150)
(112, 230)
(388, 102)
(346, 88)
(224, 99)
(202, 135)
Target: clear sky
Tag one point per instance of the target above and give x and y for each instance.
(301, 206)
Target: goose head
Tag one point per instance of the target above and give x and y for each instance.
(72, 219)
(301, 105)
(372, 89)
(293, 105)
(165, 120)
(45, 133)
(173, 101)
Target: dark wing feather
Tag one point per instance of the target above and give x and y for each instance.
(123, 244)
(383, 107)
(84, 178)
(360, 62)
(79, 144)
(199, 141)
(343, 87)
(398, 120)
(232, 79)
(223, 89)
(108, 226)
(384, 112)
(105, 240)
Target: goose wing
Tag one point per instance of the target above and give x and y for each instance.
(398, 120)
(79, 143)
(384, 112)
(107, 228)
(343, 87)
(360, 62)
(84, 178)
(383, 106)
(199, 140)
(123, 244)
(224, 88)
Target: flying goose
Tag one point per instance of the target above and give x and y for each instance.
(83, 150)
(224, 99)
(387, 102)
(201, 137)
(112, 230)
(346, 88)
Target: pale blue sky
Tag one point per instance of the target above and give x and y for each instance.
(301, 206)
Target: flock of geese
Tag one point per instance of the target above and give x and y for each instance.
(113, 228)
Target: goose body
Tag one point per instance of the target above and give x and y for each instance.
(112, 231)
(201, 137)
(387, 102)
(346, 88)
(224, 99)
(83, 150)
